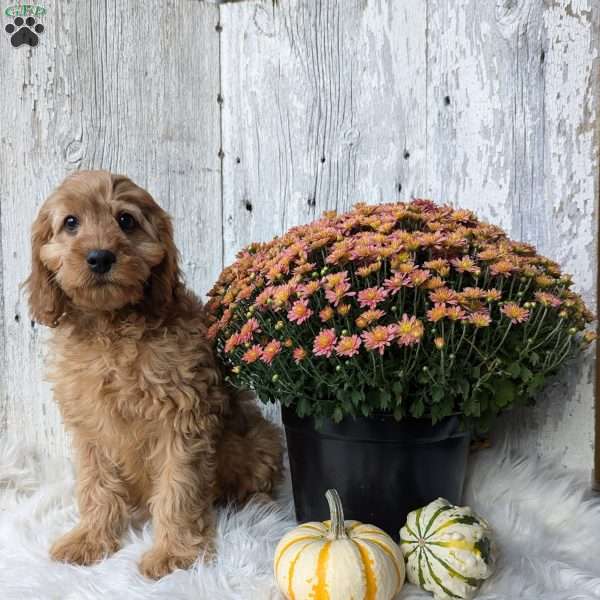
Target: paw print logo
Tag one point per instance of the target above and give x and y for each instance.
(24, 31)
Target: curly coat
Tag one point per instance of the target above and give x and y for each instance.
(155, 429)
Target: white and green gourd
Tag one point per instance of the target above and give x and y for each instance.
(449, 551)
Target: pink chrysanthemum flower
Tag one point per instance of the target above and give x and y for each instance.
(409, 330)
(379, 338)
(465, 265)
(232, 342)
(455, 313)
(515, 313)
(444, 295)
(299, 312)
(308, 289)
(348, 345)
(270, 351)
(252, 354)
(371, 297)
(481, 318)
(336, 294)
(419, 277)
(324, 342)
(248, 329)
(326, 314)
(492, 295)
(282, 293)
(502, 267)
(395, 283)
(547, 299)
(299, 354)
(332, 280)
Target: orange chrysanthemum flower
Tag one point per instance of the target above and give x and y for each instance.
(444, 295)
(324, 342)
(252, 354)
(326, 314)
(516, 313)
(410, 330)
(379, 338)
(299, 312)
(371, 297)
(299, 354)
(349, 345)
(481, 318)
(270, 351)
(437, 313)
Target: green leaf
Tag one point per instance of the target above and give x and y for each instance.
(337, 415)
(505, 392)
(526, 374)
(398, 387)
(384, 399)
(357, 397)
(437, 393)
(417, 409)
(535, 383)
(514, 370)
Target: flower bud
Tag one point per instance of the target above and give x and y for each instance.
(451, 356)
(425, 369)
(338, 368)
(572, 331)
(344, 332)
(236, 369)
(279, 325)
(275, 377)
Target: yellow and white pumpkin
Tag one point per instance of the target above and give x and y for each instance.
(449, 551)
(338, 560)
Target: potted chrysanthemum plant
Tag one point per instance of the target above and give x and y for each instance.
(389, 334)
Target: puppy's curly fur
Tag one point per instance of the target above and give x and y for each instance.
(155, 429)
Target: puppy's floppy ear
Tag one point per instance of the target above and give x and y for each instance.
(46, 299)
(165, 277)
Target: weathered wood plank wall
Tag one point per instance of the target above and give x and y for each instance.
(117, 85)
(487, 105)
(246, 118)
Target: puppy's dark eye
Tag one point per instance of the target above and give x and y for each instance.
(71, 223)
(126, 222)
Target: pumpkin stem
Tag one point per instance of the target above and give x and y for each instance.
(337, 528)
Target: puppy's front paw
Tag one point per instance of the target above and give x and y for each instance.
(158, 561)
(83, 547)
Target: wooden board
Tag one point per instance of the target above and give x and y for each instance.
(116, 85)
(248, 117)
(491, 106)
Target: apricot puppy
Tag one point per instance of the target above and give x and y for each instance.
(155, 429)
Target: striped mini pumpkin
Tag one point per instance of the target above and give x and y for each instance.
(448, 550)
(338, 560)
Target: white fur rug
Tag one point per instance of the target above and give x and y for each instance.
(547, 524)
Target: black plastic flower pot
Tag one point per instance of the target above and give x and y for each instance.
(381, 468)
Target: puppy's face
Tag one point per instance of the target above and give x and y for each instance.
(101, 243)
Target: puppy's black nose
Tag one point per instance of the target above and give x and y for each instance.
(100, 261)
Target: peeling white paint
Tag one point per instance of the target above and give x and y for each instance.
(487, 105)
